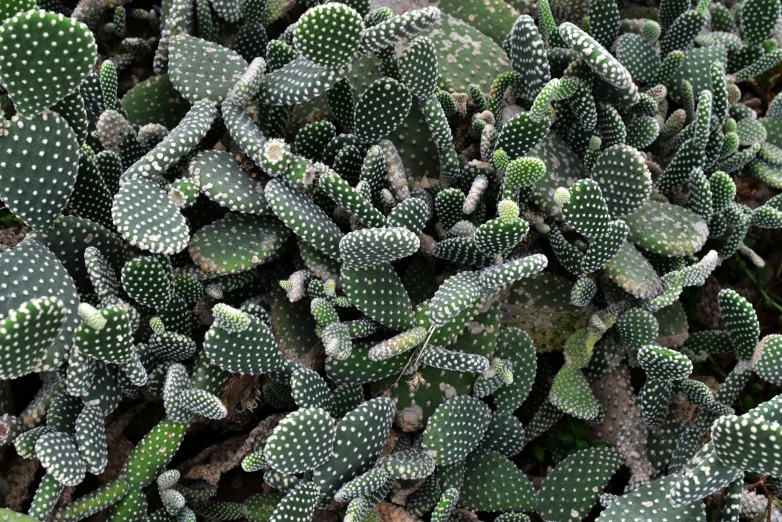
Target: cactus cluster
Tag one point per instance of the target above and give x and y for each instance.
(410, 230)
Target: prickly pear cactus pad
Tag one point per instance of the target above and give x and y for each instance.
(39, 77)
(301, 442)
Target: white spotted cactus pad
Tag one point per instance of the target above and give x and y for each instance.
(644, 503)
(494, 483)
(202, 70)
(243, 344)
(381, 109)
(26, 333)
(221, 179)
(329, 35)
(455, 429)
(747, 442)
(372, 247)
(59, 455)
(43, 79)
(301, 441)
(572, 488)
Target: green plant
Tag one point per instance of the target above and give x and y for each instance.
(393, 219)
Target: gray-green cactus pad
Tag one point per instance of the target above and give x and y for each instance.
(455, 429)
(302, 441)
(494, 483)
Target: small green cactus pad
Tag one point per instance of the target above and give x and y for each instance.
(515, 345)
(741, 322)
(623, 178)
(602, 63)
(101, 273)
(298, 505)
(445, 359)
(13, 7)
(362, 486)
(60, 457)
(312, 139)
(26, 333)
(586, 209)
(570, 491)
(521, 134)
(63, 412)
(217, 510)
(703, 476)
(329, 34)
(202, 70)
(220, 178)
(637, 328)
(147, 281)
(455, 429)
(494, 483)
(498, 237)
(91, 439)
(249, 351)
(643, 503)
(147, 218)
(155, 100)
(171, 346)
(363, 286)
(297, 82)
(39, 78)
(570, 393)
(757, 20)
(132, 508)
(46, 497)
(347, 397)
(457, 294)
(360, 436)
(401, 343)
(389, 32)
(695, 68)
(309, 390)
(153, 453)
(667, 229)
(305, 218)
(105, 334)
(339, 190)
(236, 243)
(638, 57)
(747, 442)
(633, 273)
(768, 365)
(418, 67)
(381, 108)
(528, 56)
(302, 441)
(412, 214)
(24, 443)
(48, 139)
(376, 246)
(664, 364)
(409, 464)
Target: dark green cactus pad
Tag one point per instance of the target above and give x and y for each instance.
(664, 364)
(107, 337)
(39, 79)
(505, 435)
(528, 56)
(370, 482)
(302, 441)
(344, 195)
(498, 277)
(48, 138)
(329, 35)
(455, 429)
(695, 68)
(312, 139)
(586, 210)
(221, 179)
(412, 214)
(358, 368)
(147, 218)
(642, 503)
(91, 198)
(202, 70)
(347, 163)
(259, 508)
(521, 134)
(444, 359)
(381, 108)
(27, 332)
(741, 322)
(378, 292)
(309, 390)
(360, 436)
(297, 82)
(642, 131)
(703, 476)
(494, 483)
(305, 218)
(462, 251)
(13, 7)
(767, 366)
(757, 20)
(60, 457)
(602, 63)
(91, 439)
(458, 293)
(741, 441)
(388, 32)
(347, 397)
(604, 22)
(604, 249)
(147, 281)
(633, 273)
(46, 277)
(637, 328)
(236, 243)
(667, 229)
(573, 487)
(570, 393)
(46, 498)
(298, 505)
(71, 108)
(624, 179)
(409, 464)
(418, 67)
(101, 273)
(376, 246)
(515, 345)
(153, 453)
(249, 351)
(63, 412)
